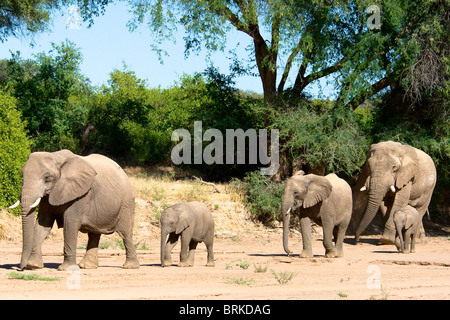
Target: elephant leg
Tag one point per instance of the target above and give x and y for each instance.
(90, 260)
(398, 243)
(330, 250)
(209, 249)
(401, 200)
(407, 237)
(131, 261)
(170, 244)
(72, 223)
(413, 241)
(339, 234)
(389, 227)
(125, 230)
(191, 255)
(42, 229)
(305, 225)
(421, 231)
(185, 242)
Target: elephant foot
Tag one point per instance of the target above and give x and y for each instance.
(65, 265)
(384, 241)
(331, 254)
(210, 264)
(88, 264)
(34, 264)
(183, 264)
(166, 263)
(131, 264)
(388, 237)
(306, 254)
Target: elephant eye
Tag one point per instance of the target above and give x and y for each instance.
(48, 178)
(394, 168)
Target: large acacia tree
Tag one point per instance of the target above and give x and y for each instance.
(305, 39)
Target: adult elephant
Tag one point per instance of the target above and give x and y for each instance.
(327, 201)
(89, 194)
(393, 176)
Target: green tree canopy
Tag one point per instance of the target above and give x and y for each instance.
(14, 149)
(52, 95)
(20, 18)
(309, 39)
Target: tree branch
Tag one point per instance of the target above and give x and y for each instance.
(291, 58)
(301, 81)
(375, 88)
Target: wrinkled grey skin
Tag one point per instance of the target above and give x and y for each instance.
(327, 201)
(89, 194)
(407, 224)
(393, 176)
(194, 223)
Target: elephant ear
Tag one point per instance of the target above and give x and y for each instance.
(318, 190)
(77, 177)
(408, 168)
(409, 221)
(411, 216)
(185, 220)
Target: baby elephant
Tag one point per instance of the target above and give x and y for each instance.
(194, 223)
(407, 222)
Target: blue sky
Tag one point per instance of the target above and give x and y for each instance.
(108, 44)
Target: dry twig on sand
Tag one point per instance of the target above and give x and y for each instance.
(216, 188)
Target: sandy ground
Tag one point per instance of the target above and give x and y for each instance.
(368, 271)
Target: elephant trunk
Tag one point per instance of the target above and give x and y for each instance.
(377, 191)
(286, 205)
(28, 220)
(164, 234)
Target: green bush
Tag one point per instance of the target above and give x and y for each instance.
(14, 149)
(52, 95)
(322, 136)
(262, 196)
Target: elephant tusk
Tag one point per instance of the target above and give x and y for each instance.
(14, 205)
(363, 188)
(289, 210)
(392, 188)
(35, 204)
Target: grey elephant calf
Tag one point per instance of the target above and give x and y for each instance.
(194, 223)
(407, 222)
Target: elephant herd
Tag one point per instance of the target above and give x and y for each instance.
(93, 195)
